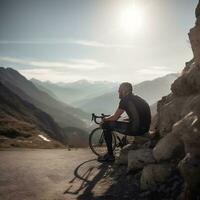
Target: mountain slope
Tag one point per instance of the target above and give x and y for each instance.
(22, 124)
(153, 90)
(63, 114)
(44, 89)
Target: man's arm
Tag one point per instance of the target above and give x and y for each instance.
(115, 116)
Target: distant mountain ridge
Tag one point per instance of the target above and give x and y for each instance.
(154, 89)
(78, 91)
(102, 97)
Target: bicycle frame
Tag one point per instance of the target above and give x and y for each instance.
(121, 142)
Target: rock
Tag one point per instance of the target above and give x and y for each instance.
(169, 112)
(167, 148)
(197, 12)
(194, 36)
(178, 123)
(188, 65)
(137, 159)
(154, 174)
(188, 131)
(188, 83)
(140, 140)
(123, 156)
(190, 170)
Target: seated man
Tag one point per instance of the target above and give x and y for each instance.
(138, 122)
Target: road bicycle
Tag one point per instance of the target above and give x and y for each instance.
(96, 138)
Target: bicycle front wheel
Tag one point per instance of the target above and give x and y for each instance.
(97, 142)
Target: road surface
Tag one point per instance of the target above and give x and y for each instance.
(53, 174)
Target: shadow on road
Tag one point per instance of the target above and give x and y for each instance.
(96, 181)
(93, 173)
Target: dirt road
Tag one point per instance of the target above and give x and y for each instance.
(50, 175)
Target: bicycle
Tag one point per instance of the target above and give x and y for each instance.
(97, 141)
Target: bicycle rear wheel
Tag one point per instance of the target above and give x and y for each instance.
(97, 142)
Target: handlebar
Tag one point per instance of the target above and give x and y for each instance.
(95, 117)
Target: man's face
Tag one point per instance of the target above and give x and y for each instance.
(121, 92)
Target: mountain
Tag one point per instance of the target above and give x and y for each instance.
(63, 114)
(24, 125)
(78, 91)
(151, 91)
(42, 88)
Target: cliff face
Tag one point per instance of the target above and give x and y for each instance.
(178, 118)
(195, 36)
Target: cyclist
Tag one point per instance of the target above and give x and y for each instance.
(138, 122)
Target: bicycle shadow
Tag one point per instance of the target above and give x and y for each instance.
(89, 178)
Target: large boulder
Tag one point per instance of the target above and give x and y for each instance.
(169, 112)
(123, 155)
(137, 159)
(138, 142)
(168, 147)
(154, 174)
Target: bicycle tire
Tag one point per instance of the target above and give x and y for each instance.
(91, 138)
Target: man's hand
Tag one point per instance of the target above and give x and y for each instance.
(104, 120)
(101, 123)
(126, 119)
(115, 116)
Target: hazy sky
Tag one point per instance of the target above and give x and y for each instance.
(66, 40)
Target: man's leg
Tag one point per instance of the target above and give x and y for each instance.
(108, 139)
(108, 127)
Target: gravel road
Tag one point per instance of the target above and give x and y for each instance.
(53, 174)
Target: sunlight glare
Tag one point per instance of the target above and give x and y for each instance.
(132, 19)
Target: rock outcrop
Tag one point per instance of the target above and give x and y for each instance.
(177, 125)
(178, 122)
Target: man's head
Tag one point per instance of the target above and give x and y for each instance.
(125, 89)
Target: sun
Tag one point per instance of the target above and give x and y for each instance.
(132, 19)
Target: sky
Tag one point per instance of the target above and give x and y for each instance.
(112, 40)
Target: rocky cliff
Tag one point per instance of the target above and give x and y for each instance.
(171, 166)
(178, 119)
